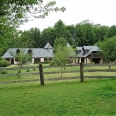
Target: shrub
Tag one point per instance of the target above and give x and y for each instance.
(34, 69)
(46, 62)
(52, 63)
(19, 71)
(4, 63)
(1, 58)
(4, 72)
(27, 70)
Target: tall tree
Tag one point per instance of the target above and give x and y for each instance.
(112, 31)
(14, 12)
(59, 28)
(60, 41)
(70, 34)
(35, 37)
(7, 40)
(108, 49)
(80, 34)
(90, 34)
(48, 35)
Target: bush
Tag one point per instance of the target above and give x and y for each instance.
(34, 69)
(27, 70)
(46, 62)
(4, 63)
(4, 72)
(19, 71)
(1, 58)
(52, 63)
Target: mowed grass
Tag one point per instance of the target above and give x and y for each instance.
(64, 98)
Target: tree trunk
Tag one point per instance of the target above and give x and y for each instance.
(41, 74)
(109, 64)
(81, 72)
(64, 67)
(61, 71)
(19, 71)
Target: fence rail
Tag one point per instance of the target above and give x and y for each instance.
(54, 79)
(56, 72)
(36, 67)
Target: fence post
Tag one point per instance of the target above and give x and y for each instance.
(81, 72)
(41, 74)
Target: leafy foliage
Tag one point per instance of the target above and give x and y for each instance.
(60, 41)
(4, 63)
(108, 48)
(48, 35)
(22, 58)
(59, 28)
(61, 56)
(14, 12)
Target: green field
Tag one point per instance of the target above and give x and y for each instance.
(94, 97)
(63, 98)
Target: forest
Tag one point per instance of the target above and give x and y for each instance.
(82, 34)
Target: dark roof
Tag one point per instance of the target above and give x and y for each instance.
(47, 51)
(88, 50)
(36, 52)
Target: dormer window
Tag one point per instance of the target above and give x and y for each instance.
(18, 51)
(29, 51)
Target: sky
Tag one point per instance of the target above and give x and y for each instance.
(97, 11)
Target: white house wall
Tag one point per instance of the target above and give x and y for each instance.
(41, 59)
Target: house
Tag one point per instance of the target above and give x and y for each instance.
(38, 54)
(85, 54)
(88, 54)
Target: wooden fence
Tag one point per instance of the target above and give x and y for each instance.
(41, 74)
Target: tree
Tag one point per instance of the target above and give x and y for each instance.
(80, 34)
(60, 41)
(108, 49)
(61, 52)
(14, 12)
(112, 31)
(48, 35)
(9, 40)
(34, 37)
(61, 56)
(23, 57)
(27, 39)
(60, 29)
(70, 35)
(102, 33)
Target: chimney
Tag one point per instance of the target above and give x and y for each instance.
(83, 51)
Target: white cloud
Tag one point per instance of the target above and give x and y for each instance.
(98, 11)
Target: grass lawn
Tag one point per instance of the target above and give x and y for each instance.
(64, 98)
